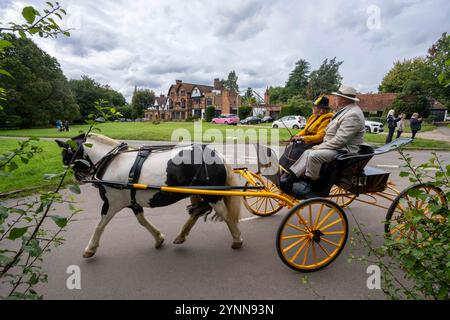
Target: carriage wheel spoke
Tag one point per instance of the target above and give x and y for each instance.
(294, 236)
(314, 253)
(305, 257)
(296, 243)
(331, 224)
(332, 233)
(326, 218)
(330, 242)
(298, 251)
(310, 217)
(323, 249)
(297, 228)
(318, 216)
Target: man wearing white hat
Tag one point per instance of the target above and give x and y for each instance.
(344, 133)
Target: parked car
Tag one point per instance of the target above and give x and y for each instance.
(292, 122)
(251, 120)
(374, 127)
(267, 119)
(226, 119)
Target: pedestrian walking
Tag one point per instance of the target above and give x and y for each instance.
(66, 125)
(416, 124)
(392, 124)
(401, 125)
(59, 125)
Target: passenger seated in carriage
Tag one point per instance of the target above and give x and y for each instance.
(312, 134)
(344, 134)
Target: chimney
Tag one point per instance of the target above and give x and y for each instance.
(178, 82)
(266, 96)
(217, 84)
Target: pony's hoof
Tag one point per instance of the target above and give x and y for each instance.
(159, 242)
(237, 245)
(179, 240)
(88, 254)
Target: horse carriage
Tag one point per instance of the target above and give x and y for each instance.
(315, 230)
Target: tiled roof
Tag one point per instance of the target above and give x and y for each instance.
(372, 102)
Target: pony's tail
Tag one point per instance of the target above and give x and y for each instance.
(233, 204)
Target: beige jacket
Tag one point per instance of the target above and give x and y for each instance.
(346, 130)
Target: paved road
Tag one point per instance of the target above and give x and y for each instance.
(205, 267)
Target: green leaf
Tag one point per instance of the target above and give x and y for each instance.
(6, 73)
(88, 145)
(60, 221)
(74, 188)
(17, 233)
(404, 174)
(5, 44)
(29, 13)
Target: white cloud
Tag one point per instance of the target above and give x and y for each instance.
(152, 43)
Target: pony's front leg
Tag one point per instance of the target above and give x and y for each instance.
(156, 233)
(108, 212)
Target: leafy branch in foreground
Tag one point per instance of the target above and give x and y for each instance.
(415, 255)
(24, 238)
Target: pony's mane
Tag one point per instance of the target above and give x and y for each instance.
(103, 139)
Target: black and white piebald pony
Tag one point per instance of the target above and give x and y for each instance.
(162, 168)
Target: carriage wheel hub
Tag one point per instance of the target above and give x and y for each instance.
(316, 234)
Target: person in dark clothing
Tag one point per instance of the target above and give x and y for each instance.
(392, 124)
(416, 124)
(66, 125)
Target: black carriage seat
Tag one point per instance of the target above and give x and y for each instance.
(349, 171)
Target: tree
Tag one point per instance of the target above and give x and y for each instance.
(87, 92)
(141, 101)
(38, 92)
(439, 57)
(297, 106)
(278, 95)
(298, 79)
(231, 82)
(417, 69)
(126, 111)
(412, 99)
(248, 99)
(324, 80)
(210, 113)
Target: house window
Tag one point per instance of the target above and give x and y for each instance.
(209, 102)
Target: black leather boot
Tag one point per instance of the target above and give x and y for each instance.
(302, 189)
(287, 182)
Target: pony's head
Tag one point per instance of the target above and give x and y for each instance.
(73, 154)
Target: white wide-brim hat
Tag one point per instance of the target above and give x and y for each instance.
(346, 92)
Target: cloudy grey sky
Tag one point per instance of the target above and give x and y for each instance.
(150, 43)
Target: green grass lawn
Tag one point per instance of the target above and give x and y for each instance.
(164, 130)
(49, 161)
(30, 177)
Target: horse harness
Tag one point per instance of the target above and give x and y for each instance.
(97, 170)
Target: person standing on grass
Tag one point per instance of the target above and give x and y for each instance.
(416, 124)
(392, 124)
(58, 125)
(66, 125)
(401, 125)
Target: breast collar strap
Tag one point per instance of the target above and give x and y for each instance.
(99, 168)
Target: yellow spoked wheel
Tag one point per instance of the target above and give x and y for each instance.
(341, 196)
(312, 235)
(396, 224)
(260, 206)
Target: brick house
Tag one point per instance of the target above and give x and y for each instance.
(188, 100)
(159, 110)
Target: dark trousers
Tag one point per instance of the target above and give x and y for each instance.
(390, 135)
(414, 132)
(399, 133)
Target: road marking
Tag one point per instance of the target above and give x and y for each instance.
(387, 166)
(397, 167)
(248, 219)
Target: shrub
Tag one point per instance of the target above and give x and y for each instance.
(156, 122)
(244, 112)
(210, 113)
